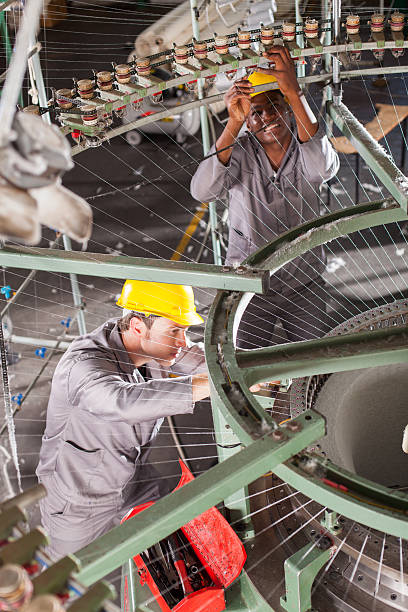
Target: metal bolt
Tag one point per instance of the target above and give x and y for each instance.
(278, 435)
(241, 269)
(293, 426)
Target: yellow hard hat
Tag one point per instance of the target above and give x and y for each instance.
(174, 302)
(258, 78)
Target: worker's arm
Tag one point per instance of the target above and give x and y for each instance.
(284, 71)
(238, 103)
(318, 158)
(190, 361)
(215, 175)
(95, 386)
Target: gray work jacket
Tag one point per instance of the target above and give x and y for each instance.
(102, 414)
(264, 204)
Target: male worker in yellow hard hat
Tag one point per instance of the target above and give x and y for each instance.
(110, 393)
(273, 175)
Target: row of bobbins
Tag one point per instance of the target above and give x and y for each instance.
(16, 592)
(376, 22)
(396, 22)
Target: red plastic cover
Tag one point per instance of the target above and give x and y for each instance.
(215, 542)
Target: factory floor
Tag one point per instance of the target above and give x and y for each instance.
(148, 220)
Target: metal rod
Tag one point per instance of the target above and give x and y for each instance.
(76, 294)
(38, 342)
(300, 68)
(325, 355)
(42, 98)
(336, 64)
(205, 132)
(374, 155)
(32, 384)
(18, 65)
(118, 266)
(357, 181)
(403, 145)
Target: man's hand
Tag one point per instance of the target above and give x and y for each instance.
(201, 387)
(283, 70)
(285, 74)
(238, 100)
(265, 385)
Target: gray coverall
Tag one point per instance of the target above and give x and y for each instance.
(101, 417)
(262, 205)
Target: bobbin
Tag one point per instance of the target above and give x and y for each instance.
(377, 22)
(181, 54)
(311, 28)
(86, 89)
(122, 73)
(104, 80)
(221, 45)
(31, 108)
(352, 24)
(64, 93)
(200, 49)
(244, 39)
(89, 115)
(45, 603)
(266, 37)
(143, 66)
(288, 31)
(397, 22)
(16, 587)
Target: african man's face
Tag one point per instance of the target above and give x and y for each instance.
(271, 111)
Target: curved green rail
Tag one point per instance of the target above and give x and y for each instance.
(233, 371)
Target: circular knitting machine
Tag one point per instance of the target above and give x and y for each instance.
(344, 494)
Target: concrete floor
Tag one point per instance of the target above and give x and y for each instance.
(367, 269)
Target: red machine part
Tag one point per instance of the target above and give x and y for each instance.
(216, 546)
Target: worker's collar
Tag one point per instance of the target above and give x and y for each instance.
(259, 149)
(121, 354)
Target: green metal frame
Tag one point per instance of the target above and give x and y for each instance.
(264, 445)
(375, 156)
(300, 571)
(167, 515)
(118, 266)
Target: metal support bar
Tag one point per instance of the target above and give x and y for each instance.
(375, 156)
(300, 571)
(18, 65)
(56, 344)
(76, 294)
(300, 68)
(118, 266)
(205, 132)
(170, 513)
(359, 499)
(325, 355)
(42, 99)
(228, 444)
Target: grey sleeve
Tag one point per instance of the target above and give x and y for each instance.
(319, 160)
(191, 361)
(211, 179)
(96, 386)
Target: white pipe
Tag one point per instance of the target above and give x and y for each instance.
(39, 342)
(18, 66)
